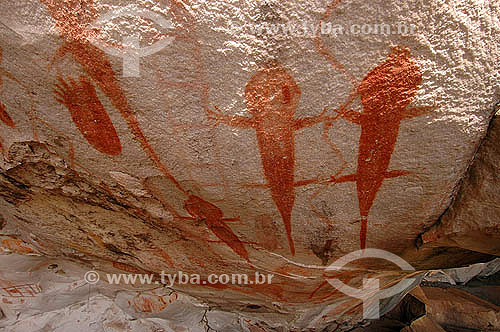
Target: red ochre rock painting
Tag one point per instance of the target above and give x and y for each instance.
(272, 97)
(386, 93)
(206, 213)
(198, 220)
(88, 114)
(4, 116)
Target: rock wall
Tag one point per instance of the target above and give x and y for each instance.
(242, 137)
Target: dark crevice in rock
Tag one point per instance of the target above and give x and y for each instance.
(455, 194)
(15, 182)
(325, 252)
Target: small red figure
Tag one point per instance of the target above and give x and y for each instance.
(214, 219)
(204, 212)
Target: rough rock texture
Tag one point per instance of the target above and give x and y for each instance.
(453, 307)
(424, 324)
(472, 221)
(457, 300)
(236, 150)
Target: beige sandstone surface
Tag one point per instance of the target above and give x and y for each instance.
(234, 150)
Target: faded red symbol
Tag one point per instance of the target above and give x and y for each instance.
(268, 232)
(72, 18)
(166, 257)
(152, 304)
(28, 290)
(272, 96)
(321, 47)
(386, 92)
(88, 114)
(183, 17)
(126, 267)
(4, 116)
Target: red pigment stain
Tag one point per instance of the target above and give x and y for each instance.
(212, 216)
(88, 114)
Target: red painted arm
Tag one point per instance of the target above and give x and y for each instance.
(233, 121)
(350, 115)
(311, 121)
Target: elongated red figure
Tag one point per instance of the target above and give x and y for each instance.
(88, 114)
(272, 97)
(386, 92)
